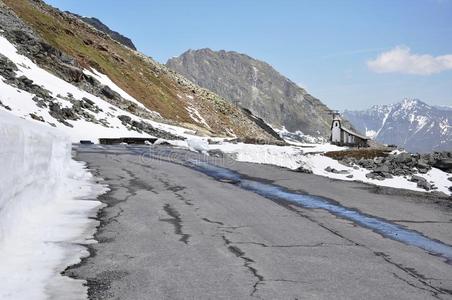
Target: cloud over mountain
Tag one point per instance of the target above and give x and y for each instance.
(401, 60)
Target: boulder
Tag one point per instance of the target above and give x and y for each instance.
(444, 164)
(424, 185)
(333, 170)
(302, 169)
(422, 164)
(375, 175)
(416, 178)
(403, 158)
(109, 93)
(382, 169)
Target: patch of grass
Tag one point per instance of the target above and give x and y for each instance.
(358, 153)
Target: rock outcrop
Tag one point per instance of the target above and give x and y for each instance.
(96, 23)
(403, 164)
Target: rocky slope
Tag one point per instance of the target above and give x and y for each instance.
(257, 86)
(69, 48)
(412, 124)
(96, 23)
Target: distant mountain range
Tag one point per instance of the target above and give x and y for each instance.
(411, 123)
(256, 86)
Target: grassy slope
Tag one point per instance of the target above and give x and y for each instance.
(119, 63)
(141, 77)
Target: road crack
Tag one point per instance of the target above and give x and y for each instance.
(435, 291)
(247, 263)
(321, 244)
(176, 221)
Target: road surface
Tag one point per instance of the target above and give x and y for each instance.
(169, 231)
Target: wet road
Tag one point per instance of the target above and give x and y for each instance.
(175, 229)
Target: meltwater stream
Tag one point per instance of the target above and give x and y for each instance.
(378, 225)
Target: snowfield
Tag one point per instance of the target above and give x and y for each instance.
(46, 200)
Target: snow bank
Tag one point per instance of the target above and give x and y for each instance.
(282, 156)
(310, 156)
(45, 201)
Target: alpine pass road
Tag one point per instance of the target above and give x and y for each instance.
(181, 225)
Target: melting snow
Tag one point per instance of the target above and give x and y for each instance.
(22, 104)
(196, 116)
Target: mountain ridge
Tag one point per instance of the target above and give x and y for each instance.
(99, 25)
(411, 124)
(257, 86)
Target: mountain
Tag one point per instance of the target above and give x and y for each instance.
(85, 69)
(96, 23)
(256, 86)
(411, 123)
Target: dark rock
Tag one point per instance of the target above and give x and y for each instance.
(374, 175)
(403, 158)
(109, 93)
(27, 82)
(416, 178)
(7, 68)
(332, 170)
(5, 106)
(216, 153)
(349, 176)
(382, 169)
(62, 114)
(125, 119)
(302, 169)
(444, 164)
(422, 164)
(425, 185)
(36, 117)
(147, 128)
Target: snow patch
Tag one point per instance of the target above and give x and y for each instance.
(196, 116)
(22, 105)
(198, 144)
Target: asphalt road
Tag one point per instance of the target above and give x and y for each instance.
(171, 232)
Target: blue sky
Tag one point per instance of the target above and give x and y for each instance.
(349, 54)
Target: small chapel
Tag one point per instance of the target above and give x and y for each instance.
(342, 136)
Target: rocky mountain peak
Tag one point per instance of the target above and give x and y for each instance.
(257, 86)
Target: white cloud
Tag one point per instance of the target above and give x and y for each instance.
(401, 60)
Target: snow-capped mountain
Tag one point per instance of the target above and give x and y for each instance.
(411, 124)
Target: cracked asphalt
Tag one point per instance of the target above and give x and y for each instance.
(170, 232)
